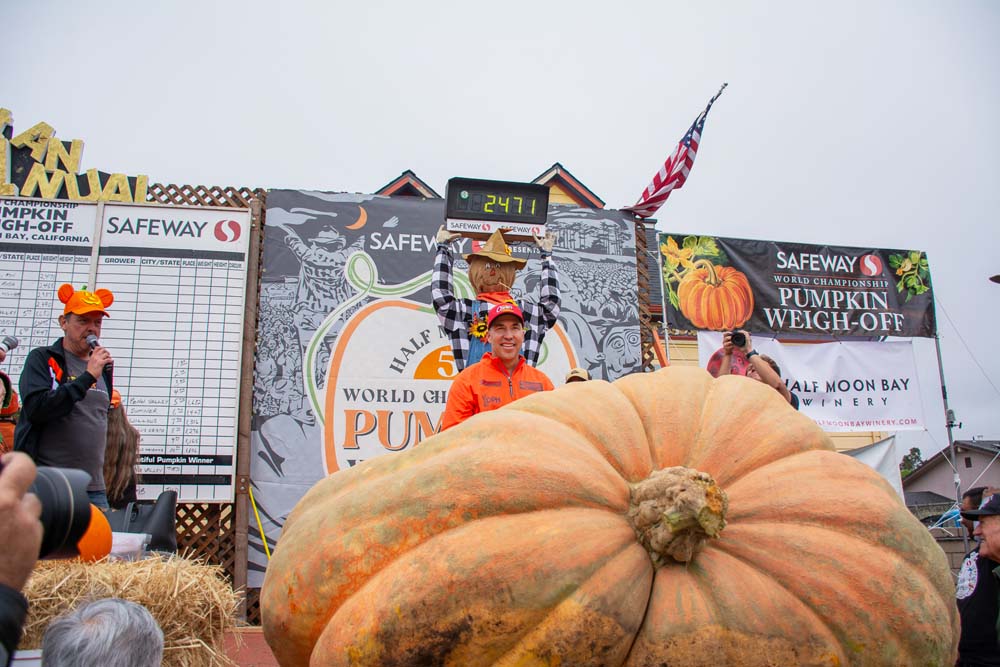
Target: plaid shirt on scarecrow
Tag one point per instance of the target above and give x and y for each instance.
(456, 315)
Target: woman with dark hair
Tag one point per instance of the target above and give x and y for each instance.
(121, 455)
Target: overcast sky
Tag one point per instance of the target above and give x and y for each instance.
(856, 123)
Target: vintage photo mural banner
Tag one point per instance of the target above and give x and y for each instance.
(721, 284)
(351, 361)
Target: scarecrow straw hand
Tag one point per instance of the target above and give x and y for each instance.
(546, 242)
(445, 237)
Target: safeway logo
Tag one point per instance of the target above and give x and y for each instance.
(871, 265)
(228, 231)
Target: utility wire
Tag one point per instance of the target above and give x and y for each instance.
(937, 300)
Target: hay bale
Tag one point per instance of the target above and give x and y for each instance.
(192, 602)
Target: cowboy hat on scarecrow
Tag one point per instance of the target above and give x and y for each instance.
(491, 271)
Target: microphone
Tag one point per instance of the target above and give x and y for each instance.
(8, 343)
(93, 342)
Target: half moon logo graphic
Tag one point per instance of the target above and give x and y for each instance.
(871, 265)
(228, 231)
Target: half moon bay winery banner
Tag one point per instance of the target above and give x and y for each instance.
(720, 284)
(843, 386)
(351, 361)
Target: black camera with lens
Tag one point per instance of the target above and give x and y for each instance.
(65, 509)
(738, 338)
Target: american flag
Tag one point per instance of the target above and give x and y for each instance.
(674, 172)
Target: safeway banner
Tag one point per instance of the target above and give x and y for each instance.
(843, 386)
(719, 284)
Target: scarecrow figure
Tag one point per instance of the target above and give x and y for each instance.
(491, 272)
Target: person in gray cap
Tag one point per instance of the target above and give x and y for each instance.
(978, 590)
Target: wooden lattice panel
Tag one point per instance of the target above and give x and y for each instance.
(253, 606)
(208, 532)
(201, 195)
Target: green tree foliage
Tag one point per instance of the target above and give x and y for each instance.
(910, 462)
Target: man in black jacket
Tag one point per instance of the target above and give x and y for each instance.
(65, 393)
(978, 590)
(21, 537)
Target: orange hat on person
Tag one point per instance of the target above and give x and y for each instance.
(116, 398)
(82, 302)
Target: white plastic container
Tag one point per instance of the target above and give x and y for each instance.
(129, 546)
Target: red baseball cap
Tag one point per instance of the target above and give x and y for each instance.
(503, 309)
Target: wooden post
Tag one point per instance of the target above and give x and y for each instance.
(642, 286)
(242, 516)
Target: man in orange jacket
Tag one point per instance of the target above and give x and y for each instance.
(502, 376)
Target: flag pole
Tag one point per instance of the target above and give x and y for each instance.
(719, 93)
(949, 422)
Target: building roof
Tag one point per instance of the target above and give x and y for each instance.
(918, 498)
(560, 176)
(987, 447)
(407, 184)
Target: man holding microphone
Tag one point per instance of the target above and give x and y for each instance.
(65, 393)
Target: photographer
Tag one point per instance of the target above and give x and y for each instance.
(66, 391)
(21, 535)
(759, 367)
(10, 405)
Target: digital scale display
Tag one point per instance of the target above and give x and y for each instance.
(496, 201)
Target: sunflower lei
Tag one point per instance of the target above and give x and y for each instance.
(478, 328)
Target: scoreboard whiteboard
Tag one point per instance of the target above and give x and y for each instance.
(175, 328)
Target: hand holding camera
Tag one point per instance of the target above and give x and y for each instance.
(739, 340)
(20, 529)
(46, 513)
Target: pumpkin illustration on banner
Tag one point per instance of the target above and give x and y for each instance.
(667, 518)
(715, 297)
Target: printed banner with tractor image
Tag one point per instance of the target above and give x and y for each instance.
(721, 284)
(351, 361)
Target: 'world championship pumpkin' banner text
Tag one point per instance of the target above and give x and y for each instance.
(721, 284)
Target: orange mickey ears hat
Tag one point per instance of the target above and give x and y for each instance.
(82, 302)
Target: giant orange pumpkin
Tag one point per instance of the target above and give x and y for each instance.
(715, 297)
(666, 519)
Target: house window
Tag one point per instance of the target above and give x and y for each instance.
(968, 461)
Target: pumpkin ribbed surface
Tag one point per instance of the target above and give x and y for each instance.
(715, 297)
(527, 536)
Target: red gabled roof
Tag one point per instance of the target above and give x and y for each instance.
(407, 184)
(569, 182)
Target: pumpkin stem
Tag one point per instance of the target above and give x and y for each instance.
(713, 277)
(674, 510)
